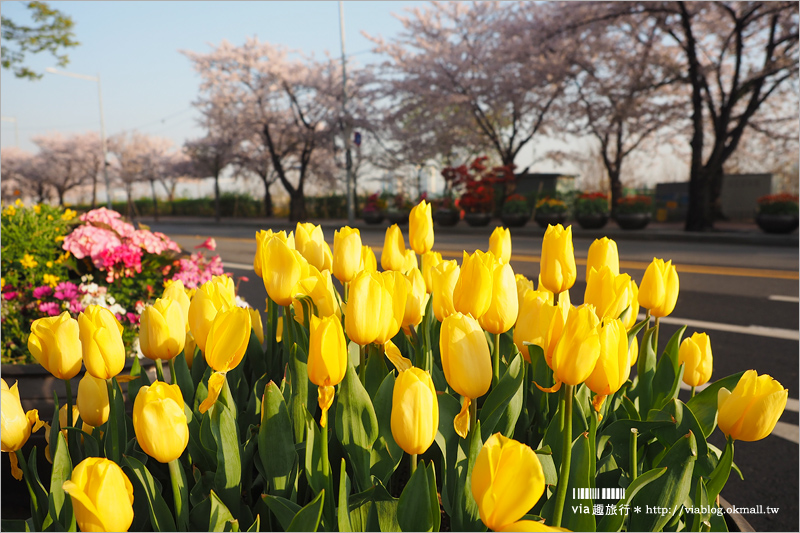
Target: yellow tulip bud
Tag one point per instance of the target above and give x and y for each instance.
(429, 260)
(393, 255)
(613, 366)
(500, 244)
(216, 294)
(695, 354)
(466, 360)
(15, 424)
(102, 495)
(752, 410)
(558, 259)
(397, 287)
(444, 277)
(262, 237)
(523, 286)
(311, 244)
(473, 291)
(368, 260)
(633, 314)
(507, 481)
(55, 344)
(347, 253)
(417, 298)
(610, 294)
(327, 359)
(415, 411)
(256, 324)
(503, 306)
(92, 400)
(365, 311)
(227, 341)
(101, 341)
(533, 321)
(603, 252)
(159, 421)
(162, 333)
(578, 349)
(176, 291)
(658, 291)
(282, 268)
(420, 228)
(319, 287)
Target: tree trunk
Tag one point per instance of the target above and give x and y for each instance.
(716, 174)
(216, 197)
(94, 191)
(60, 197)
(699, 216)
(155, 199)
(616, 189)
(267, 200)
(297, 206)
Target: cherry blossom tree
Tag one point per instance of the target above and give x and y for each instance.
(69, 162)
(137, 159)
(16, 167)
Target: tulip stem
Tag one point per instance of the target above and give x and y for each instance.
(159, 371)
(655, 336)
(692, 391)
(413, 463)
(180, 494)
(35, 509)
(496, 360)
(68, 386)
(362, 359)
(566, 457)
(633, 452)
(172, 375)
(473, 415)
(647, 319)
(346, 291)
(555, 298)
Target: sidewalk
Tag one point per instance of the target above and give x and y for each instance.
(723, 233)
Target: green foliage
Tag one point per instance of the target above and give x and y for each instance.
(593, 203)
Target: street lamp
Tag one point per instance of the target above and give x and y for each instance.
(52, 70)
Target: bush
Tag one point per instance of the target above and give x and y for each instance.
(634, 204)
(778, 204)
(591, 203)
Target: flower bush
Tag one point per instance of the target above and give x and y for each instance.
(507, 400)
(634, 204)
(549, 204)
(516, 204)
(475, 185)
(591, 203)
(778, 204)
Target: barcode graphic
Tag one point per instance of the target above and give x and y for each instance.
(598, 494)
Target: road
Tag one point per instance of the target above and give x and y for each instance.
(744, 296)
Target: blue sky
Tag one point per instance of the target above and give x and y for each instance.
(147, 84)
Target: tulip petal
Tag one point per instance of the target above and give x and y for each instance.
(461, 421)
(215, 383)
(393, 354)
(91, 520)
(15, 469)
(325, 398)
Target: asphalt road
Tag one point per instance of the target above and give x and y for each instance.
(744, 296)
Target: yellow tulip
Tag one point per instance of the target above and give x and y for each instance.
(417, 298)
(415, 411)
(368, 260)
(429, 260)
(216, 294)
(102, 495)
(659, 289)
(503, 306)
(500, 244)
(633, 314)
(444, 277)
(55, 344)
(365, 307)
(101, 342)
(256, 324)
(262, 237)
(533, 321)
(310, 242)
(162, 333)
(633, 350)
(752, 410)
(327, 359)
(603, 252)
(159, 421)
(188, 349)
(397, 287)
(558, 259)
(507, 481)
(347, 253)
(420, 228)
(409, 261)
(555, 317)
(613, 366)
(466, 360)
(282, 268)
(319, 287)
(610, 294)
(578, 349)
(176, 291)
(695, 354)
(227, 341)
(523, 286)
(472, 294)
(393, 255)
(15, 424)
(92, 400)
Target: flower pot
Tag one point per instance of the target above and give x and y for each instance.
(549, 219)
(446, 217)
(632, 220)
(592, 220)
(372, 217)
(397, 217)
(478, 219)
(776, 223)
(515, 220)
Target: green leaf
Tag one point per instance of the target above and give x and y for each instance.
(59, 504)
(183, 377)
(704, 404)
(343, 513)
(508, 388)
(116, 433)
(645, 370)
(719, 477)
(307, 519)
(374, 510)
(545, 457)
(415, 510)
(579, 477)
(448, 442)
(256, 525)
(614, 522)
(300, 396)
(160, 515)
(283, 509)
(14, 525)
(466, 516)
(619, 434)
(701, 502)
(385, 454)
(136, 384)
(356, 426)
(228, 474)
(635, 330)
(275, 444)
(210, 515)
(680, 421)
(375, 372)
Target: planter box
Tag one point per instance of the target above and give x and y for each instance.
(478, 219)
(515, 220)
(372, 217)
(550, 219)
(632, 220)
(446, 217)
(777, 223)
(592, 220)
(397, 217)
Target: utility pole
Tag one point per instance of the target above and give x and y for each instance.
(351, 211)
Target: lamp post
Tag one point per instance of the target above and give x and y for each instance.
(52, 70)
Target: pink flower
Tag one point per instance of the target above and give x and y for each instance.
(66, 291)
(50, 308)
(208, 244)
(42, 292)
(10, 295)
(75, 306)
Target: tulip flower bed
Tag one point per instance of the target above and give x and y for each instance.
(444, 396)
